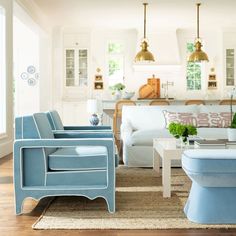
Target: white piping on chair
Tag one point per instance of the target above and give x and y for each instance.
(44, 154)
(22, 130)
(52, 120)
(28, 188)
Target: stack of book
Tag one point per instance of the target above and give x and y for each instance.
(210, 144)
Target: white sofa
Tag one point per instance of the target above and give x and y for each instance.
(140, 124)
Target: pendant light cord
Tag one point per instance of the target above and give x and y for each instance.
(144, 28)
(198, 5)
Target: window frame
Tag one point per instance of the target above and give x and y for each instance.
(115, 55)
(202, 69)
(3, 69)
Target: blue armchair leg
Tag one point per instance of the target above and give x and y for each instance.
(18, 205)
(111, 204)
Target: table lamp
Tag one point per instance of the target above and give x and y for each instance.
(92, 108)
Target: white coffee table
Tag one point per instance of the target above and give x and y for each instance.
(165, 149)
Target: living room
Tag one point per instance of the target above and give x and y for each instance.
(117, 117)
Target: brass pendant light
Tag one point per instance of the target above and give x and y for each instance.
(198, 55)
(144, 54)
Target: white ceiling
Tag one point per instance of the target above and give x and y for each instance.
(161, 14)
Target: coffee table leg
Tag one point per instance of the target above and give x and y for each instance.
(156, 161)
(166, 172)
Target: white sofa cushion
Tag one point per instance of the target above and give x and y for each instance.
(151, 117)
(145, 137)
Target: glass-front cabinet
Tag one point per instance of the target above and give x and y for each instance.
(83, 67)
(76, 67)
(230, 68)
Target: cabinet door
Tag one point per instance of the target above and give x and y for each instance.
(230, 68)
(70, 67)
(76, 71)
(83, 67)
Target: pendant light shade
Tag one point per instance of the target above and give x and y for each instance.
(144, 54)
(198, 55)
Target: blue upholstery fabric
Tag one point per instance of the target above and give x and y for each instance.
(76, 134)
(211, 168)
(26, 128)
(212, 196)
(55, 120)
(44, 130)
(34, 178)
(79, 158)
(91, 128)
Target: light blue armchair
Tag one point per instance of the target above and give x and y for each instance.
(61, 131)
(56, 124)
(45, 166)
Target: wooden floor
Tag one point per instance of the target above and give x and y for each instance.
(21, 225)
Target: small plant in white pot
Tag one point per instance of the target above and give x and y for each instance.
(182, 132)
(232, 128)
(117, 90)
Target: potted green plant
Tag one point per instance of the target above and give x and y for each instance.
(117, 90)
(232, 128)
(181, 131)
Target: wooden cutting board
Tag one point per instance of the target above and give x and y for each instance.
(146, 91)
(155, 83)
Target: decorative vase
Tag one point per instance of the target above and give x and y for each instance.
(94, 120)
(231, 134)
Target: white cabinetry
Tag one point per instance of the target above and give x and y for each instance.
(76, 66)
(230, 66)
(229, 46)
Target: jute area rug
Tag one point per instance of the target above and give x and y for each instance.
(139, 205)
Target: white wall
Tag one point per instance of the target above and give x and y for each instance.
(32, 46)
(26, 53)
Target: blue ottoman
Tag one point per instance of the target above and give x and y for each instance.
(212, 198)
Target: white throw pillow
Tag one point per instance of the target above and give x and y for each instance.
(214, 119)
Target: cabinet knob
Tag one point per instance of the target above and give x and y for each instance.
(76, 43)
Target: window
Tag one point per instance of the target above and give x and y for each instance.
(115, 52)
(2, 72)
(193, 71)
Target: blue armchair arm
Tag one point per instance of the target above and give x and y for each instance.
(56, 143)
(93, 128)
(78, 134)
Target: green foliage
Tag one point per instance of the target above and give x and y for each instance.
(114, 65)
(193, 71)
(179, 130)
(190, 47)
(117, 87)
(233, 123)
(193, 76)
(115, 48)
